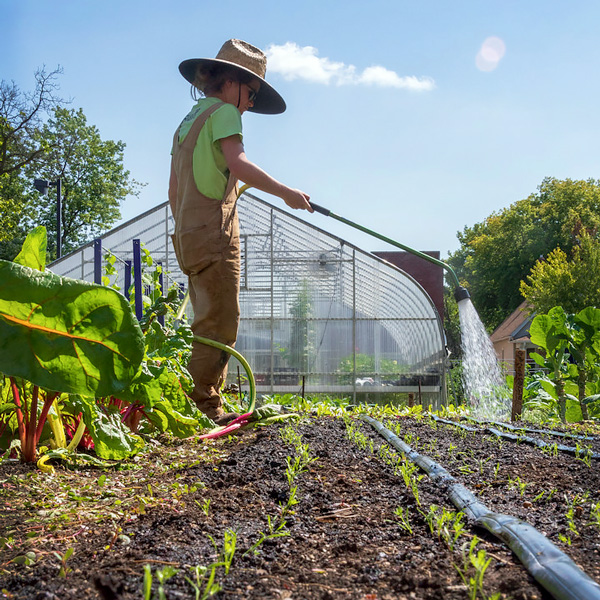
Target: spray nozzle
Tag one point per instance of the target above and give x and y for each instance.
(461, 293)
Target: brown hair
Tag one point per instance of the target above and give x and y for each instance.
(210, 79)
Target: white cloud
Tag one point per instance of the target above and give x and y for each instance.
(295, 62)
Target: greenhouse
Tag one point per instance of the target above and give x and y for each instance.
(318, 315)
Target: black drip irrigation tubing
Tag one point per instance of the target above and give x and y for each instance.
(577, 452)
(527, 430)
(550, 567)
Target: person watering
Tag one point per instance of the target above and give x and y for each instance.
(207, 161)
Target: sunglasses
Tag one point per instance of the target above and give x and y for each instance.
(252, 94)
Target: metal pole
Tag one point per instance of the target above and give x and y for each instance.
(58, 219)
(98, 261)
(354, 325)
(127, 284)
(137, 275)
(272, 257)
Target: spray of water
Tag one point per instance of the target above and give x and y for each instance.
(487, 393)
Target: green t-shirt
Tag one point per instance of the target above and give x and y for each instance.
(210, 169)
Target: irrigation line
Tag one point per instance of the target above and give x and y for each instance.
(551, 567)
(582, 453)
(527, 430)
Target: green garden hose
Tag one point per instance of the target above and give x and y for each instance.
(242, 360)
(460, 293)
(225, 348)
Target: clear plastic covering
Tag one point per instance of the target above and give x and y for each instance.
(317, 313)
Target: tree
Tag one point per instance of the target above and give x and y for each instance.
(21, 115)
(41, 139)
(94, 180)
(496, 255)
(557, 281)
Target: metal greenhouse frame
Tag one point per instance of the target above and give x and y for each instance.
(317, 313)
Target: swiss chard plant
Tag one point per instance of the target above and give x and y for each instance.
(60, 335)
(79, 369)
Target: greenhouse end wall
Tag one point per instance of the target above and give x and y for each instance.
(317, 313)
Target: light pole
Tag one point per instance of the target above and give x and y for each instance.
(42, 185)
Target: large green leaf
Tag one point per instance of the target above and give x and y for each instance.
(589, 320)
(66, 335)
(33, 253)
(112, 438)
(573, 413)
(541, 332)
(159, 390)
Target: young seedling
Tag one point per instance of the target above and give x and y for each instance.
(517, 483)
(205, 506)
(210, 587)
(446, 524)
(595, 514)
(273, 532)
(565, 539)
(496, 470)
(163, 575)
(583, 453)
(472, 558)
(64, 570)
(292, 501)
(147, 582)
(403, 519)
(481, 462)
(229, 544)
(407, 471)
(550, 449)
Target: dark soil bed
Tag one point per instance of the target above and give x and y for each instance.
(343, 538)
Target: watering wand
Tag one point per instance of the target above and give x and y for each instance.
(460, 293)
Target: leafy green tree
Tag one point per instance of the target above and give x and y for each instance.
(21, 115)
(452, 324)
(557, 281)
(16, 214)
(94, 180)
(497, 254)
(41, 139)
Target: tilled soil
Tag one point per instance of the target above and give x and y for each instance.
(343, 538)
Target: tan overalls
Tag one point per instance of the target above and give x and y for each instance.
(206, 241)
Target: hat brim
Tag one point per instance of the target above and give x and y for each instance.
(267, 101)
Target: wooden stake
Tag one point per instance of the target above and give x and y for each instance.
(411, 399)
(517, 401)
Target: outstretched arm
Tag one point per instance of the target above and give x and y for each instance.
(253, 175)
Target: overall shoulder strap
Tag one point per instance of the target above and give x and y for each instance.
(194, 132)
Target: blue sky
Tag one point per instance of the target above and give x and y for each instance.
(400, 115)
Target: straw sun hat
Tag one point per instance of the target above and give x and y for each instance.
(246, 58)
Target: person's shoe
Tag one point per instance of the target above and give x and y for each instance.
(225, 418)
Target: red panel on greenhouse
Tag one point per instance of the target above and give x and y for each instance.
(430, 276)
